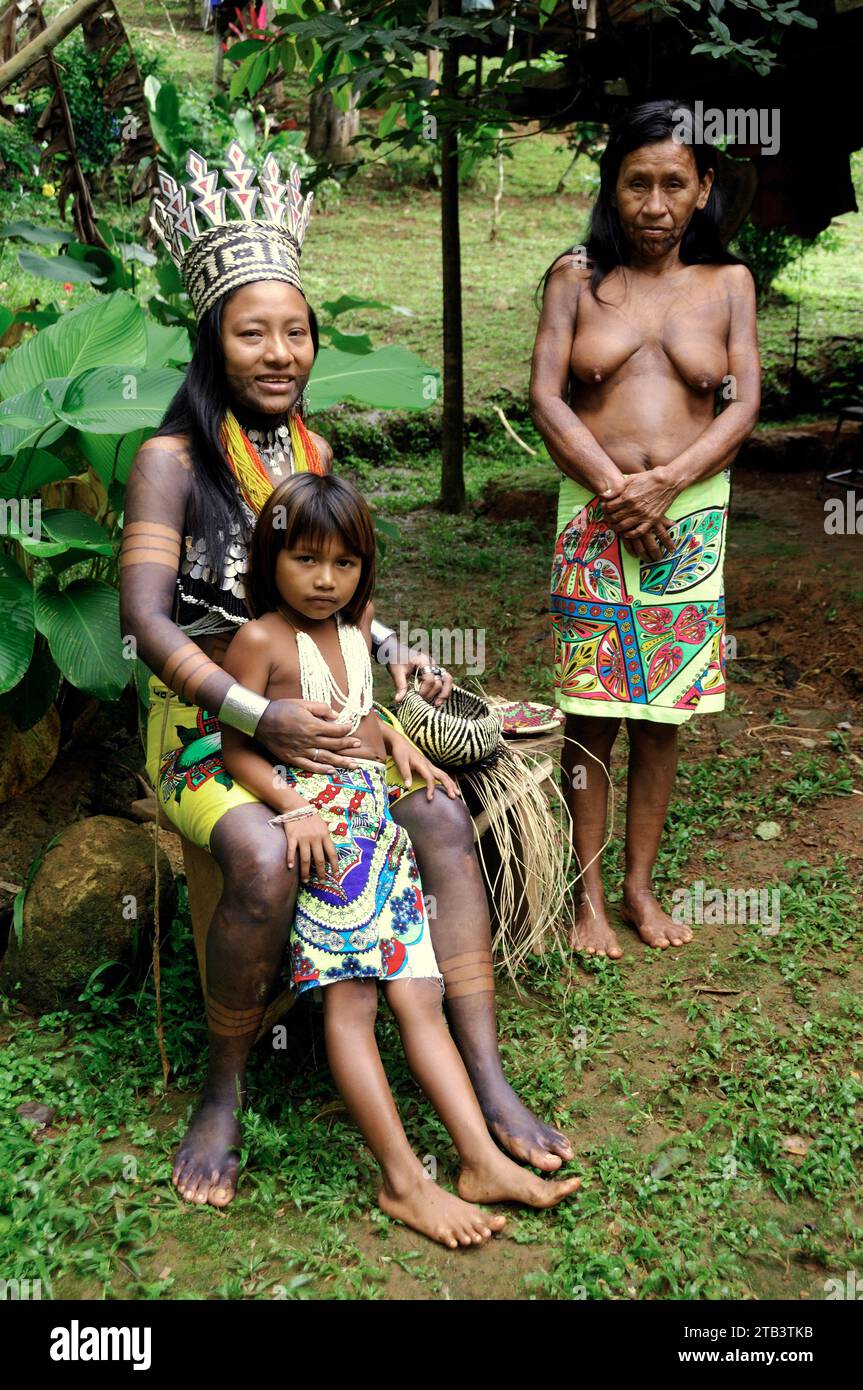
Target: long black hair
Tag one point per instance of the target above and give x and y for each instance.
(197, 411)
(605, 244)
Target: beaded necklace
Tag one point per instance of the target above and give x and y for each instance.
(247, 465)
(317, 681)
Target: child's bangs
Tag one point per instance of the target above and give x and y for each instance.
(319, 518)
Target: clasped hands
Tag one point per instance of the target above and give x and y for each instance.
(635, 509)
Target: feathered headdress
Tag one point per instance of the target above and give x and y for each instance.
(227, 254)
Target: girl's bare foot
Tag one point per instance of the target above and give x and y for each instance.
(592, 934)
(497, 1179)
(440, 1215)
(641, 910)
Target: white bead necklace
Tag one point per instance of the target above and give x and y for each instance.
(318, 683)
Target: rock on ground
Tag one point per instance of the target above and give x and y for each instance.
(90, 902)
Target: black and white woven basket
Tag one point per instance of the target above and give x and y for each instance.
(462, 732)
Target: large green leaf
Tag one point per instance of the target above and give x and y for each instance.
(109, 330)
(27, 701)
(17, 630)
(356, 343)
(40, 236)
(24, 525)
(108, 265)
(30, 470)
(112, 400)
(346, 302)
(109, 464)
(52, 532)
(31, 405)
(166, 346)
(76, 529)
(61, 268)
(391, 378)
(82, 625)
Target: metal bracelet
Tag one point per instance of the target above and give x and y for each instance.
(243, 709)
(379, 634)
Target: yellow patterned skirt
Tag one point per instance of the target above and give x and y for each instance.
(184, 764)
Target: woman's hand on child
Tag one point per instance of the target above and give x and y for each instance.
(309, 843)
(306, 734)
(410, 760)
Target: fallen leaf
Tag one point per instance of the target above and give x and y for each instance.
(795, 1144)
(165, 1272)
(768, 830)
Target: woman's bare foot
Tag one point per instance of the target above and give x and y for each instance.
(498, 1179)
(438, 1214)
(592, 934)
(205, 1169)
(642, 911)
(516, 1129)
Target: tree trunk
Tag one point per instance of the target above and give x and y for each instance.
(331, 130)
(452, 490)
(218, 61)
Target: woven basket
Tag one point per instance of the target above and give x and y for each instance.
(462, 732)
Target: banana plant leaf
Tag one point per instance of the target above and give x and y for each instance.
(29, 418)
(111, 329)
(390, 378)
(17, 631)
(30, 470)
(113, 400)
(82, 626)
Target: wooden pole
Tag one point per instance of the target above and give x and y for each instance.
(48, 39)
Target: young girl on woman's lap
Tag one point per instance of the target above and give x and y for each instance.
(360, 916)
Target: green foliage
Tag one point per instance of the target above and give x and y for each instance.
(768, 250)
(20, 153)
(757, 52)
(97, 135)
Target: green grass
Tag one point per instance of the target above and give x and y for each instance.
(681, 1104)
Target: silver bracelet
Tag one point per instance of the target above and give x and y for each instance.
(379, 633)
(293, 815)
(243, 709)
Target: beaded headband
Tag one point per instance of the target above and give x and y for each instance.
(227, 254)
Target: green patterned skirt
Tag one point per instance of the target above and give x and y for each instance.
(640, 639)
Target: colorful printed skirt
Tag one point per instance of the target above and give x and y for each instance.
(184, 764)
(369, 920)
(640, 639)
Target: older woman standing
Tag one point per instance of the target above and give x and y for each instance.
(639, 330)
(234, 429)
